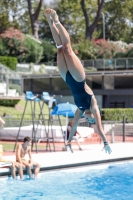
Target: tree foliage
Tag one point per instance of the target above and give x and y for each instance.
(119, 20)
(34, 14)
(90, 27)
(82, 19)
(12, 42)
(49, 51)
(103, 49)
(11, 12)
(32, 51)
(78, 23)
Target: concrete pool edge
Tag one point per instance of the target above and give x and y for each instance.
(91, 155)
(75, 165)
(85, 164)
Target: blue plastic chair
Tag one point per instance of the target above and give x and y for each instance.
(46, 97)
(31, 97)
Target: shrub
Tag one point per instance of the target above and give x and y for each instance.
(13, 42)
(106, 49)
(10, 62)
(95, 49)
(116, 114)
(49, 51)
(8, 102)
(120, 55)
(32, 51)
(3, 49)
(130, 52)
(85, 50)
(24, 48)
(103, 49)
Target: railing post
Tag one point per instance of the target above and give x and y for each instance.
(126, 63)
(115, 64)
(124, 128)
(112, 127)
(93, 63)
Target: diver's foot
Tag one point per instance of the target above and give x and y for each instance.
(55, 16)
(47, 13)
(80, 149)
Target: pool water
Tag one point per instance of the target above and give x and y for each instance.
(114, 182)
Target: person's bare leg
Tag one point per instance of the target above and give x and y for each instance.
(60, 57)
(29, 172)
(77, 142)
(20, 169)
(37, 169)
(13, 172)
(53, 28)
(72, 61)
(65, 38)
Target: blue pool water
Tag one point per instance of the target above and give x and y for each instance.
(112, 183)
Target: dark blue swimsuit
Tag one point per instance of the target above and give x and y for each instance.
(81, 98)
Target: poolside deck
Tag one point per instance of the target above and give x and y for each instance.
(91, 154)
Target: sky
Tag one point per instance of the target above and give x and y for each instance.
(48, 1)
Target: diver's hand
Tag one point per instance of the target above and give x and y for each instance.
(107, 148)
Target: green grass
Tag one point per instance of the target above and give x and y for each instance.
(15, 113)
(10, 147)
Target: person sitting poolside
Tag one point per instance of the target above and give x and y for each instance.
(11, 164)
(21, 151)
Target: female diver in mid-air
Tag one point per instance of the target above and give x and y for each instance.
(73, 74)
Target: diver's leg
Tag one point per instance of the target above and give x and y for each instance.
(60, 57)
(53, 28)
(72, 61)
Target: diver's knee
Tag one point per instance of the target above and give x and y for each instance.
(60, 51)
(67, 48)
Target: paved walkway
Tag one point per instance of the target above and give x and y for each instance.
(91, 154)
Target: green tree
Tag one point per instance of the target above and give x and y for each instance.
(12, 42)
(33, 51)
(49, 51)
(119, 20)
(90, 27)
(34, 14)
(80, 17)
(10, 13)
(71, 16)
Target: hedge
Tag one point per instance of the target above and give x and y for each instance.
(9, 62)
(116, 114)
(10, 103)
